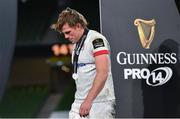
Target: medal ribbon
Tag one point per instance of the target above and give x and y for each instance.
(78, 48)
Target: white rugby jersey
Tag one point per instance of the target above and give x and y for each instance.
(95, 44)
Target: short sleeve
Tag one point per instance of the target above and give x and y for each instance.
(100, 46)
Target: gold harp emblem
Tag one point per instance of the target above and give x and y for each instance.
(146, 30)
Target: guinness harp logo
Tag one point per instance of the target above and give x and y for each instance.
(146, 30)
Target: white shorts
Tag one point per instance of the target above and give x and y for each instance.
(99, 110)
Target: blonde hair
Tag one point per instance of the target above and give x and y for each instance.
(70, 16)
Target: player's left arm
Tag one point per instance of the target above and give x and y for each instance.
(102, 68)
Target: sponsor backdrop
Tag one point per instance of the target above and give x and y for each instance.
(8, 14)
(144, 36)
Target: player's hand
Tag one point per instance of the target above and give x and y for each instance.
(85, 108)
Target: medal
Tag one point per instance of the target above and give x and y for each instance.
(75, 76)
(77, 50)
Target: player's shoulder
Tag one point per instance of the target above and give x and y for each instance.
(96, 35)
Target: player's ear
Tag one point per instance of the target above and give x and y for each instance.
(78, 25)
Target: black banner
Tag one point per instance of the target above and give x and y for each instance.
(8, 22)
(144, 36)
